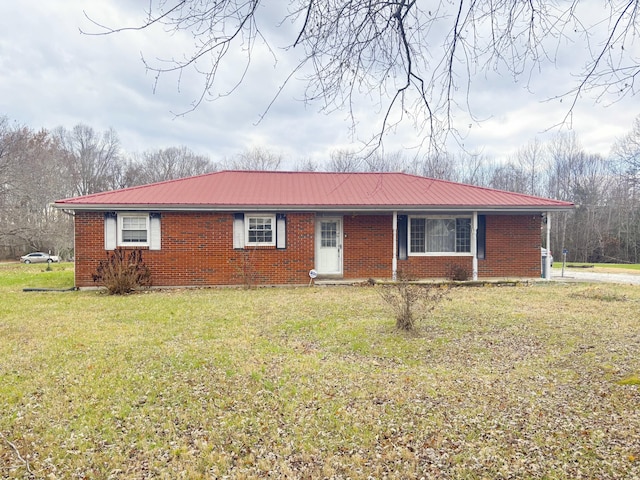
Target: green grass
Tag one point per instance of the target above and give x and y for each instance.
(624, 266)
(36, 275)
(621, 266)
(521, 382)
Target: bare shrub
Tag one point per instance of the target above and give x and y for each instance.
(411, 301)
(245, 268)
(123, 272)
(457, 273)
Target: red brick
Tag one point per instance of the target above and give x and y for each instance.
(197, 250)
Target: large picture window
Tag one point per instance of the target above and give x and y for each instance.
(434, 235)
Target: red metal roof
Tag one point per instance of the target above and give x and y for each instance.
(309, 190)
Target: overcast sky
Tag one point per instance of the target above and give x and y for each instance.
(52, 75)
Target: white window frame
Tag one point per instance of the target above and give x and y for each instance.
(121, 217)
(411, 253)
(247, 223)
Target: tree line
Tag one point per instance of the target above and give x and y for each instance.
(40, 166)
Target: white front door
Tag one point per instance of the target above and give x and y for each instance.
(329, 246)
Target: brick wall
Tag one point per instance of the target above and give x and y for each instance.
(434, 267)
(512, 247)
(89, 245)
(368, 246)
(512, 250)
(197, 250)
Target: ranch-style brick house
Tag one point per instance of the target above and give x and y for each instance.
(273, 228)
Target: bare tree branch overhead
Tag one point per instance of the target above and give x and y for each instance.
(414, 60)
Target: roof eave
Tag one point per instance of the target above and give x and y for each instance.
(315, 208)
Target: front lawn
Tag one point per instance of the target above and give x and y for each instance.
(510, 382)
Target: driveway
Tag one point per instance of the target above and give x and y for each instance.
(584, 275)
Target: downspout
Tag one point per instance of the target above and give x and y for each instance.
(547, 260)
(394, 259)
(474, 245)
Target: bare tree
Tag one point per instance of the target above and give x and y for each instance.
(342, 160)
(171, 163)
(509, 176)
(90, 157)
(563, 151)
(10, 186)
(531, 159)
(627, 152)
(380, 161)
(256, 158)
(307, 165)
(417, 61)
(8, 161)
(591, 221)
(30, 179)
(128, 172)
(473, 169)
(436, 165)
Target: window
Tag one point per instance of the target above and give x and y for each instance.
(329, 234)
(428, 235)
(252, 229)
(132, 230)
(418, 244)
(463, 235)
(260, 230)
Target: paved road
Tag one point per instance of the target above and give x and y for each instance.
(572, 275)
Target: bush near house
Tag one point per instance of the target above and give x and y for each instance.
(123, 272)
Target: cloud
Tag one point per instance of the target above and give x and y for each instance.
(53, 75)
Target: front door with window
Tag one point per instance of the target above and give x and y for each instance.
(329, 246)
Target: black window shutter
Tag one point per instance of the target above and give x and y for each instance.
(481, 237)
(402, 233)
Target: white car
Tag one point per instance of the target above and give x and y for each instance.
(543, 253)
(39, 257)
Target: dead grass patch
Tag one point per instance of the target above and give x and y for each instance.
(601, 294)
(316, 383)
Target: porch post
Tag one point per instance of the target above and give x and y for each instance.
(394, 259)
(547, 260)
(474, 245)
